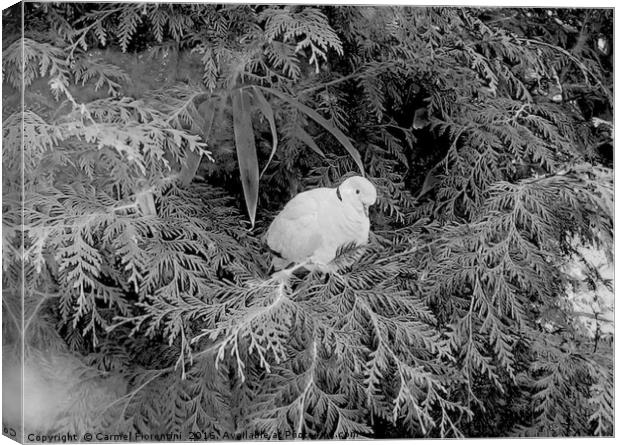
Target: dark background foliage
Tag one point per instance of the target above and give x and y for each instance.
(157, 142)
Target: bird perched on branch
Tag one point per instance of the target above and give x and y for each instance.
(315, 223)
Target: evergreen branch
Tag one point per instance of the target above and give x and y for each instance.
(586, 72)
(82, 33)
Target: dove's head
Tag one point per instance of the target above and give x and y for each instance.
(358, 192)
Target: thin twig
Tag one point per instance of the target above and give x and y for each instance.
(10, 311)
(302, 403)
(330, 83)
(333, 82)
(503, 19)
(36, 309)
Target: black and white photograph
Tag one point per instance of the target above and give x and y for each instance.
(294, 221)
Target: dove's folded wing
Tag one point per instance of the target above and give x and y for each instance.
(294, 235)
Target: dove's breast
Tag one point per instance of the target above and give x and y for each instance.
(341, 225)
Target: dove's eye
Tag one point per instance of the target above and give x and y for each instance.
(357, 192)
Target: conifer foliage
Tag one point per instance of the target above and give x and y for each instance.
(156, 142)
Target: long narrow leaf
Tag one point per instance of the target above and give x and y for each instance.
(339, 135)
(246, 150)
(265, 108)
(206, 110)
(303, 136)
(204, 120)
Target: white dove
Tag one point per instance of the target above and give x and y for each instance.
(315, 223)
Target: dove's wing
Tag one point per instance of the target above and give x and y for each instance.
(295, 234)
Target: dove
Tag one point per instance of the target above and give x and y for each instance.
(315, 223)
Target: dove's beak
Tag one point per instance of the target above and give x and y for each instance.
(366, 210)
